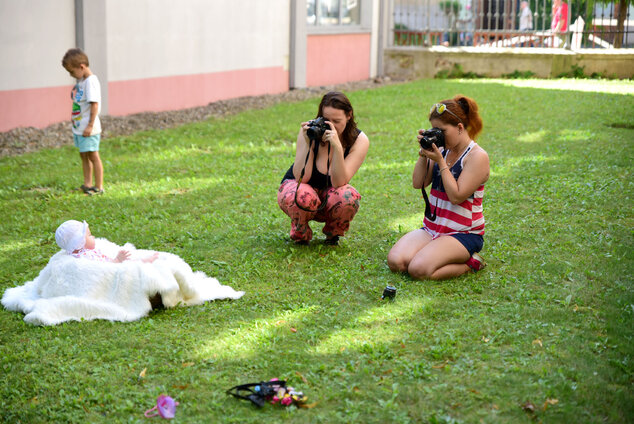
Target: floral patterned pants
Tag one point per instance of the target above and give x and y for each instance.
(341, 206)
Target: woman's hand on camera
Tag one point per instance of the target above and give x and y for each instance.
(305, 126)
(331, 136)
(433, 153)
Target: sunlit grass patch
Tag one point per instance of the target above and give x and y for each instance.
(378, 325)
(581, 85)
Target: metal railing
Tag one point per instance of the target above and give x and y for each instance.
(511, 23)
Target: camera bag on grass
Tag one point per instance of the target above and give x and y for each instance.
(273, 391)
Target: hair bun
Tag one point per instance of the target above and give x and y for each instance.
(464, 104)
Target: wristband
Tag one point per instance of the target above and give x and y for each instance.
(440, 172)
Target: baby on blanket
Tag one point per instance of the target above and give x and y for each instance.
(76, 239)
(96, 279)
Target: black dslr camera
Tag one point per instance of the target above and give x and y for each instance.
(432, 136)
(316, 128)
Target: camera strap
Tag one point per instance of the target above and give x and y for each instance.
(301, 177)
(257, 393)
(428, 213)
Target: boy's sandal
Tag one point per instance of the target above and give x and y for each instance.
(86, 189)
(94, 191)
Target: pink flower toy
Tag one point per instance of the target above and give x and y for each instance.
(165, 407)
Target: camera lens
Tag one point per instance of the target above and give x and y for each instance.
(313, 133)
(389, 292)
(316, 128)
(432, 136)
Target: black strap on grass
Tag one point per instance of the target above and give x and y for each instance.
(257, 393)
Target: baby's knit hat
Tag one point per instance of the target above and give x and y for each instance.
(71, 235)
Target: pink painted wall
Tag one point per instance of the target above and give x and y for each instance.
(34, 107)
(185, 91)
(40, 107)
(337, 58)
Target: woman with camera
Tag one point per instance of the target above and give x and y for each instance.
(316, 187)
(447, 244)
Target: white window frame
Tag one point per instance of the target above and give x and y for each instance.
(365, 25)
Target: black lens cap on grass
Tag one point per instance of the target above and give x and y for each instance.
(389, 292)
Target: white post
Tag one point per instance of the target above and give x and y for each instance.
(91, 35)
(297, 50)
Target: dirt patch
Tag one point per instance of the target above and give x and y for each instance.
(30, 139)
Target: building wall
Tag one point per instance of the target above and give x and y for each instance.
(156, 55)
(34, 88)
(337, 58)
(164, 56)
(150, 55)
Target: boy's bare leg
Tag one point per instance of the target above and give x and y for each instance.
(98, 168)
(86, 166)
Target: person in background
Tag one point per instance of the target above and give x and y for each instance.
(559, 24)
(526, 21)
(86, 126)
(526, 17)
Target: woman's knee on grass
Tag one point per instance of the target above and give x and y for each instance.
(397, 262)
(419, 273)
(421, 269)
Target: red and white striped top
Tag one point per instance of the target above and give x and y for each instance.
(466, 217)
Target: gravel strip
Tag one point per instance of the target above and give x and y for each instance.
(24, 140)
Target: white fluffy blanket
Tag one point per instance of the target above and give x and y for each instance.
(69, 288)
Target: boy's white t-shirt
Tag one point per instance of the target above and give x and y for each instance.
(86, 91)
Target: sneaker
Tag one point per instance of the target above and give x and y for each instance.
(476, 263)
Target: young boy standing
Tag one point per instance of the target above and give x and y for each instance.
(86, 97)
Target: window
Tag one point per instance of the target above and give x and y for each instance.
(333, 12)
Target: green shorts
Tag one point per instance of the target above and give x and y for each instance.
(87, 144)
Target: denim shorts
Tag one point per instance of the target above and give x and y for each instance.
(472, 242)
(87, 144)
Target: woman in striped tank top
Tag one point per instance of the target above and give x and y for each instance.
(447, 246)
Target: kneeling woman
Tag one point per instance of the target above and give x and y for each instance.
(452, 233)
(324, 167)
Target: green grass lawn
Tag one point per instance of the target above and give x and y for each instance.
(543, 333)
